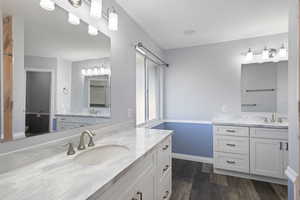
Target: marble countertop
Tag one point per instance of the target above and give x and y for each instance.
(83, 115)
(254, 124)
(59, 177)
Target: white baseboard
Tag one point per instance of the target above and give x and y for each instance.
(19, 135)
(188, 121)
(192, 158)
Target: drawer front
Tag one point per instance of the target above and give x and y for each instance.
(164, 158)
(269, 133)
(231, 144)
(232, 162)
(231, 131)
(165, 189)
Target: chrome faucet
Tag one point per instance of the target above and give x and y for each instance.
(81, 145)
(273, 118)
(71, 150)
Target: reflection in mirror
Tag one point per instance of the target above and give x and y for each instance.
(61, 74)
(265, 87)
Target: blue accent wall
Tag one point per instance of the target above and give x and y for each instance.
(291, 190)
(190, 138)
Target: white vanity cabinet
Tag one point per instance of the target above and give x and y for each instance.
(148, 179)
(258, 153)
(269, 152)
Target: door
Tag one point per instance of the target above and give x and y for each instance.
(146, 186)
(38, 102)
(142, 189)
(267, 157)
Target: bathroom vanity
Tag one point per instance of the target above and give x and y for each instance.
(251, 150)
(125, 163)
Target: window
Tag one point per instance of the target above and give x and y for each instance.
(148, 88)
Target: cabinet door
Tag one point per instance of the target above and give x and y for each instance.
(146, 186)
(285, 159)
(267, 157)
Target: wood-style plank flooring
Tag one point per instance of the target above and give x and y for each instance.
(196, 181)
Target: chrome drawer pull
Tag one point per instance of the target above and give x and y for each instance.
(140, 194)
(280, 146)
(167, 194)
(230, 162)
(166, 168)
(231, 145)
(166, 147)
(230, 131)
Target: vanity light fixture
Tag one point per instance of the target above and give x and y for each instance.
(282, 52)
(95, 72)
(48, 5)
(96, 9)
(89, 72)
(92, 30)
(84, 72)
(113, 20)
(265, 54)
(75, 3)
(73, 19)
(249, 55)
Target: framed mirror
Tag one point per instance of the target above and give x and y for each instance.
(60, 74)
(264, 87)
(99, 92)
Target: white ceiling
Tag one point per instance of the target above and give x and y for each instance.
(48, 34)
(212, 20)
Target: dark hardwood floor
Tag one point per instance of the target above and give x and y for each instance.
(196, 181)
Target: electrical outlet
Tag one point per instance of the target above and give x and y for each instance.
(129, 113)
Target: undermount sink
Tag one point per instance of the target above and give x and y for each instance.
(102, 154)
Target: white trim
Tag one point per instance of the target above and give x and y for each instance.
(192, 158)
(1, 79)
(291, 174)
(188, 121)
(19, 135)
(52, 91)
(251, 176)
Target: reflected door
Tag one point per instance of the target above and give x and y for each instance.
(38, 102)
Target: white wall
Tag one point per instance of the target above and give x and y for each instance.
(294, 85)
(282, 87)
(202, 79)
(18, 78)
(63, 80)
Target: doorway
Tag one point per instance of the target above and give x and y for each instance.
(38, 102)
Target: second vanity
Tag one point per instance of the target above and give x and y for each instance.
(137, 166)
(251, 150)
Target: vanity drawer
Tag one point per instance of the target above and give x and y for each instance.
(232, 144)
(232, 162)
(164, 158)
(165, 188)
(231, 131)
(269, 133)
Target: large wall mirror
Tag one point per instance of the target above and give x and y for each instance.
(265, 87)
(60, 73)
